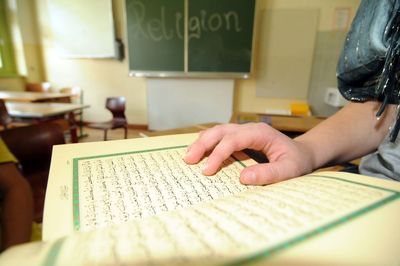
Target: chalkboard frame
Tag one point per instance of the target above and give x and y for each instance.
(185, 73)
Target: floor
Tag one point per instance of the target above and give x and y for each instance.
(90, 135)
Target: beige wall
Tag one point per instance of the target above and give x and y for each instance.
(245, 90)
(32, 52)
(12, 83)
(21, 15)
(100, 78)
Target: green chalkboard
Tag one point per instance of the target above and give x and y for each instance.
(220, 35)
(155, 35)
(190, 36)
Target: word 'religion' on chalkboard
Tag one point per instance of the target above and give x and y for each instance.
(155, 35)
(190, 37)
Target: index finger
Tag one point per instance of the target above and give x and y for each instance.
(206, 141)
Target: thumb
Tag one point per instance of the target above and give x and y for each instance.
(268, 173)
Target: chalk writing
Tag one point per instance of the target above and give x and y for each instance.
(157, 28)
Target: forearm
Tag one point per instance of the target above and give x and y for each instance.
(351, 133)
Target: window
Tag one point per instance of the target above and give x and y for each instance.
(7, 60)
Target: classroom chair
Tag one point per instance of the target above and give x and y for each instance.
(75, 92)
(76, 97)
(32, 146)
(116, 105)
(38, 87)
(6, 120)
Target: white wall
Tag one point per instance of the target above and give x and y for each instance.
(175, 103)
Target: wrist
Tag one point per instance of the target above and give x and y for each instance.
(312, 160)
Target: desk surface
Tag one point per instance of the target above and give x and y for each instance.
(297, 124)
(41, 110)
(284, 123)
(23, 96)
(183, 130)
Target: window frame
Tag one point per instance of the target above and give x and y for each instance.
(8, 68)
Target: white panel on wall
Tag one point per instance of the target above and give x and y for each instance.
(328, 47)
(83, 29)
(175, 103)
(286, 52)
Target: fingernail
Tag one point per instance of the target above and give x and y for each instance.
(185, 158)
(205, 166)
(187, 155)
(250, 177)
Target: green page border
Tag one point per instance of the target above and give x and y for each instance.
(75, 181)
(53, 253)
(319, 230)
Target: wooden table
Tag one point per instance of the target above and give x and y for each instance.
(183, 130)
(292, 125)
(23, 96)
(41, 112)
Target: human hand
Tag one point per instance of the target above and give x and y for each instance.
(287, 158)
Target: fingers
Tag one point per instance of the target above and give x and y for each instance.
(269, 173)
(207, 140)
(222, 141)
(223, 150)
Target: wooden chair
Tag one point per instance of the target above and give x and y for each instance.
(6, 121)
(32, 146)
(116, 105)
(5, 118)
(38, 87)
(77, 97)
(76, 92)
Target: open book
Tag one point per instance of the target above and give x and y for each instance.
(135, 202)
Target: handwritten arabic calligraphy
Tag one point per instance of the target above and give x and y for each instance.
(120, 188)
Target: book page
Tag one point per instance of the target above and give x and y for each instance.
(115, 188)
(77, 201)
(256, 224)
(292, 221)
